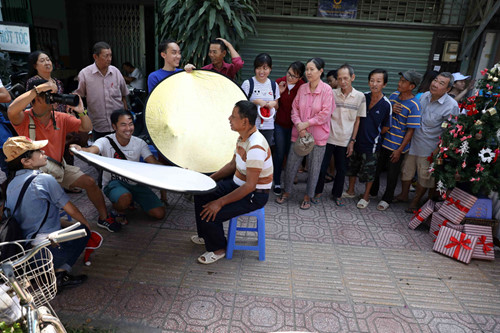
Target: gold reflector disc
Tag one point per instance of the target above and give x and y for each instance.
(187, 119)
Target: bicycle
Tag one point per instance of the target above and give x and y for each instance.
(29, 284)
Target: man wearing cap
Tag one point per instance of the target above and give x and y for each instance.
(396, 143)
(54, 126)
(436, 107)
(38, 213)
(243, 184)
(460, 87)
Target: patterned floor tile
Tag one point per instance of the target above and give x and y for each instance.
(393, 237)
(352, 235)
(139, 303)
(487, 323)
(180, 219)
(324, 317)
(385, 319)
(195, 310)
(443, 322)
(344, 216)
(305, 230)
(262, 314)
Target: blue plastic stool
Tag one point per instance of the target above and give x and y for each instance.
(261, 234)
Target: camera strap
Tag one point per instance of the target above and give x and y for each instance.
(32, 134)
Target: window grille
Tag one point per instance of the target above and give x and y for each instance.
(449, 12)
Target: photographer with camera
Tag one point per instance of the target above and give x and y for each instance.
(41, 123)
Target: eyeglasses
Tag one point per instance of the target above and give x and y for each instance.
(292, 76)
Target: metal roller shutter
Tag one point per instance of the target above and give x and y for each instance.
(363, 47)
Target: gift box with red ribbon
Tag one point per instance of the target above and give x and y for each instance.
(438, 221)
(482, 209)
(422, 214)
(438, 205)
(484, 248)
(455, 244)
(456, 205)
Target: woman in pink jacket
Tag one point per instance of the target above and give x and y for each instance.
(311, 112)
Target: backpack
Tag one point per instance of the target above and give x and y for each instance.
(252, 84)
(10, 230)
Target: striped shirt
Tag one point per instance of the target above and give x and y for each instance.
(408, 118)
(343, 118)
(254, 153)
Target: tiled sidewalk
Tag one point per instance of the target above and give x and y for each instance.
(328, 269)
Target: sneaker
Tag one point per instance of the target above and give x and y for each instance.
(110, 224)
(277, 189)
(120, 218)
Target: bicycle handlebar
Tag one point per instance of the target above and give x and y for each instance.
(60, 236)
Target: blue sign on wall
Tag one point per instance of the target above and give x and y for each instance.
(346, 9)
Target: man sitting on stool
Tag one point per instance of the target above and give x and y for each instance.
(120, 191)
(242, 185)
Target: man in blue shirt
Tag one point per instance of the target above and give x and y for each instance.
(405, 119)
(38, 214)
(363, 162)
(171, 54)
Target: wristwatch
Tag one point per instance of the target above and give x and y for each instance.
(353, 140)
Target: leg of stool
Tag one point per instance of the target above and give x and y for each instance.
(261, 234)
(231, 237)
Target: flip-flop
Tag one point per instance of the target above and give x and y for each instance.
(362, 204)
(210, 257)
(339, 202)
(197, 240)
(282, 199)
(382, 205)
(348, 195)
(328, 178)
(120, 218)
(396, 200)
(315, 200)
(305, 205)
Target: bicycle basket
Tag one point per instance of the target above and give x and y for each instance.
(36, 276)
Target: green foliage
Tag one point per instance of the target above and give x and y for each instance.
(14, 328)
(195, 23)
(479, 130)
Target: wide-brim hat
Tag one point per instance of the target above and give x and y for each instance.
(17, 145)
(459, 76)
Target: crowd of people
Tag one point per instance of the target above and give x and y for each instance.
(329, 129)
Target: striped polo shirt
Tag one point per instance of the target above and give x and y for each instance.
(255, 153)
(408, 118)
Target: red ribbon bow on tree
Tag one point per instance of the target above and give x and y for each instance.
(486, 246)
(458, 243)
(457, 204)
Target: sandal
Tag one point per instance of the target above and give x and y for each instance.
(316, 200)
(362, 204)
(328, 178)
(339, 202)
(197, 240)
(282, 199)
(348, 195)
(73, 190)
(411, 210)
(210, 257)
(382, 205)
(305, 205)
(120, 218)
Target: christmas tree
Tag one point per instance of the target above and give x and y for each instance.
(470, 145)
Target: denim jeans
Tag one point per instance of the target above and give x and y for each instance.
(66, 254)
(282, 140)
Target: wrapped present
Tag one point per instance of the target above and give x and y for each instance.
(494, 224)
(484, 248)
(422, 214)
(438, 205)
(482, 209)
(455, 244)
(456, 205)
(438, 221)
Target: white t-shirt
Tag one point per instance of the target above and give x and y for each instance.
(138, 83)
(1, 84)
(135, 149)
(262, 91)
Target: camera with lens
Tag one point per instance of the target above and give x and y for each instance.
(68, 99)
